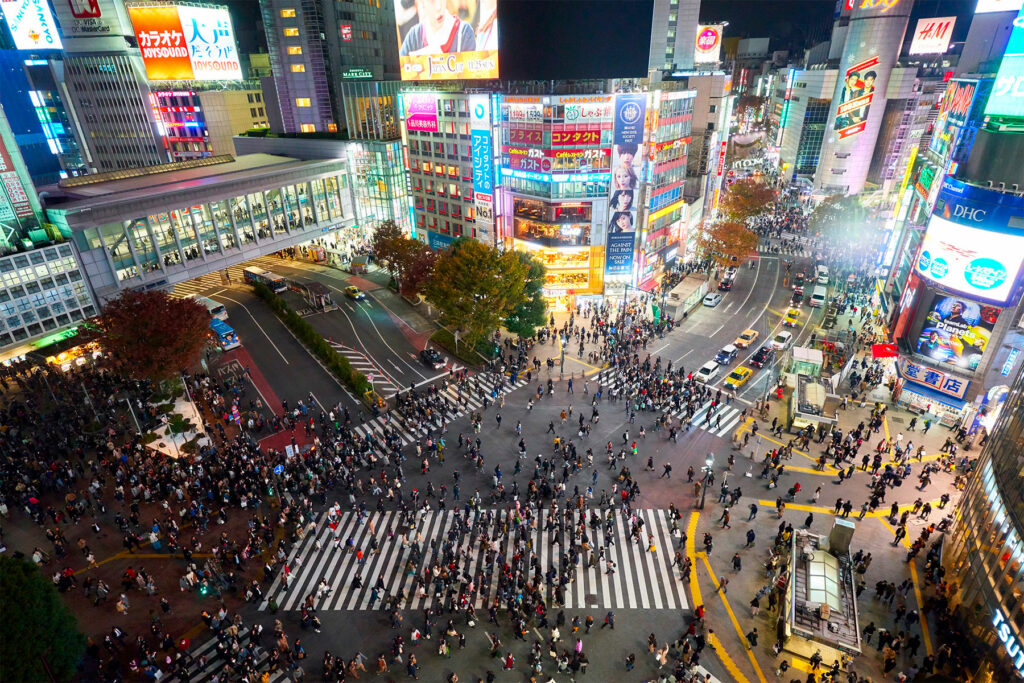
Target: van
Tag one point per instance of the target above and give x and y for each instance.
(818, 297)
(821, 276)
(707, 372)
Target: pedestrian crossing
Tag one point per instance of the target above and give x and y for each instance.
(720, 421)
(382, 384)
(641, 579)
(766, 248)
(217, 280)
(457, 402)
(215, 663)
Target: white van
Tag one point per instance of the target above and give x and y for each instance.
(818, 297)
(707, 372)
(821, 275)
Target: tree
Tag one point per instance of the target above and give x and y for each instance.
(530, 314)
(387, 242)
(39, 635)
(475, 287)
(745, 199)
(726, 242)
(152, 335)
(416, 263)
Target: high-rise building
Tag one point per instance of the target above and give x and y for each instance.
(202, 123)
(19, 103)
(673, 34)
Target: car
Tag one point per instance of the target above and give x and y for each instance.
(764, 356)
(738, 377)
(798, 297)
(782, 340)
(746, 338)
(707, 372)
(712, 299)
(726, 355)
(798, 281)
(792, 317)
(725, 285)
(432, 359)
(730, 272)
(354, 293)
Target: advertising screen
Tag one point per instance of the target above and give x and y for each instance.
(31, 23)
(627, 169)
(443, 40)
(955, 331)
(954, 110)
(1007, 96)
(987, 6)
(186, 43)
(708, 46)
(858, 90)
(972, 261)
(932, 35)
(13, 189)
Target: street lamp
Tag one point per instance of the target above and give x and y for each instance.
(708, 462)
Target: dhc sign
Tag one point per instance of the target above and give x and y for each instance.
(1012, 646)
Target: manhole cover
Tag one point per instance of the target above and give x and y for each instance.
(592, 599)
(897, 419)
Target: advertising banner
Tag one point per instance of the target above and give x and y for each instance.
(972, 261)
(186, 43)
(12, 186)
(442, 40)
(1007, 96)
(627, 169)
(89, 18)
(931, 378)
(547, 160)
(619, 255)
(988, 6)
(520, 136)
(955, 331)
(31, 23)
(858, 91)
(421, 112)
(954, 110)
(709, 44)
(932, 35)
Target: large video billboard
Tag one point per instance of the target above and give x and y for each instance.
(442, 40)
(1007, 97)
(627, 169)
(186, 43)
(955, 331)
(31, 23)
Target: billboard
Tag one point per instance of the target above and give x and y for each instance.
(17, 198)
(483, 158)
(954, 110)
(932, 35)
(932, 378)
(89, 18)
(955, 331)
(627, 169)
(442, 40)
(186, 43)
(987, 6)
(31, 23)
(708, 45)
(858, 91)
(420, 112)
(1007, 96)
(976, 262)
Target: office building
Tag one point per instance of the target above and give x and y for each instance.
(202, 123)
(673, 34)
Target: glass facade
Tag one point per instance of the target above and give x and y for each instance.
(812, 133)
(378, 184)
(985, 556)
(41, 291)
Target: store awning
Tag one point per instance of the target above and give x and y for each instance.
(935, 396)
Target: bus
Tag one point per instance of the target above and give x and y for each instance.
(252, 275)
(224, 335)
(216, 310)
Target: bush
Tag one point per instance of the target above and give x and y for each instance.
(483, 351)
(314, 341)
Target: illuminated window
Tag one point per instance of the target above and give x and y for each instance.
(302, 102)
(298, 68)
(332, 127)
(286, 13)
(291, 32)
(295, 49)
(427, 167)
(307, 127)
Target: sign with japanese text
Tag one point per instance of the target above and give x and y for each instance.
(566, 138)
(482, 147)
(546, 160)
(855, 96)
(420, 112)
(932, 35)
(1007, 96)
(483, 162)
(522, 136)
(442, 41)
(31, 23)
(709, 44)
(186, 43)
(13, 187)
(933, 379)
(346, 32)
(954, 110)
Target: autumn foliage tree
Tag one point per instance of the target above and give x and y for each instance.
(153, 335)
(410, 262)
(726, 242)
(475, 287)
(745, 199)
(387, 242)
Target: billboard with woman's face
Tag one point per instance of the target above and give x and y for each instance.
(447, 39)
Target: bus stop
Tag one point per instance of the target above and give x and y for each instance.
(317, 296)
(686, 296)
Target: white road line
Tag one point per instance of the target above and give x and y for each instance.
(244, 308)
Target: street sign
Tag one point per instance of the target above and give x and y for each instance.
(279, 469)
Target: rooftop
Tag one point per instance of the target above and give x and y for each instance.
(823, 605)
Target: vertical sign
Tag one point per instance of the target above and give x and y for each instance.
(627, 168)
(13, 187)
(708, 45)
(483, 158)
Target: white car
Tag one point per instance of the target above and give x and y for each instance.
(783, 340)
(707, 372)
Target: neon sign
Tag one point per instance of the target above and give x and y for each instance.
(1010, 643)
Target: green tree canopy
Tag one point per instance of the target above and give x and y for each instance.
(39, 635)
(726, 242)
(153, 335)
(475, 287)
(530, 313)
(745, 199)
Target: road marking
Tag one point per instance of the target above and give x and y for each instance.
(261, 327)
(737, 675)
(680, 359)
(923, 616)
(660, 348)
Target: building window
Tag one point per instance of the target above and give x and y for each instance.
(295, 49)
(302, 102)
(298, 68)
(307, 127)
(291, 32)
(287, 13)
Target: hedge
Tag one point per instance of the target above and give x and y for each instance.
(314, 341)
(484, 350)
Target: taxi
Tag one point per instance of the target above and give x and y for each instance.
(354, 293)
(792, 317)
(738, 377)
(746, 338)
